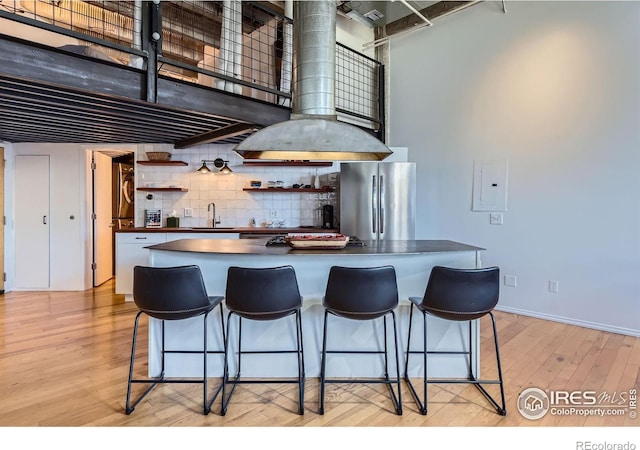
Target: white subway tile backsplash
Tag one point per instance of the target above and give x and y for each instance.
(235, 207)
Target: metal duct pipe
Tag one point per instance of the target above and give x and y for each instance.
(314, 58)
(313, 133)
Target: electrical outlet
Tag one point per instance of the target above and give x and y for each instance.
(553, 286)
(273, 213)
(510, 280)
(495, 218)
(188, 212)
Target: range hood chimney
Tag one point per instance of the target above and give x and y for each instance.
(313, 133)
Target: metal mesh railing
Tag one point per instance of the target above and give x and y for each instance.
(357, 84)
(238, 47)
(242, 47)
(109, 21)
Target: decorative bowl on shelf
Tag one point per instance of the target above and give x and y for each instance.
(158, 156)
(317, 241)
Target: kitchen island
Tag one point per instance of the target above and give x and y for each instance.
(131, 244)
(412, 260)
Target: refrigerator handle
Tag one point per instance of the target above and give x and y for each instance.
(381, 204)
(125, 192)
(374, 205)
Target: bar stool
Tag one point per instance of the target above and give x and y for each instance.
(459, 295)
(172, 293)
(263, 294)
(365, 293)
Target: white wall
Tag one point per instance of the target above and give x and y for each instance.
(555, 88)
(71, 239)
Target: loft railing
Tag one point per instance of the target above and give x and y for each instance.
(240, 47)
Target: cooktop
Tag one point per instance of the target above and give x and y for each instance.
(354, 241)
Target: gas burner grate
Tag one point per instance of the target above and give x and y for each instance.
(354, 241)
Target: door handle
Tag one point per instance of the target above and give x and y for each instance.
(44, 220)
(381, 225)
(374, 205)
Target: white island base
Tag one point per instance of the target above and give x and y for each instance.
(412, 263)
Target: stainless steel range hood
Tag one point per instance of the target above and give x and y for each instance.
(313, 133)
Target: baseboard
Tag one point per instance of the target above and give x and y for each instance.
(569, 321)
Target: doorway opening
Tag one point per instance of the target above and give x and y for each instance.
(113, 208)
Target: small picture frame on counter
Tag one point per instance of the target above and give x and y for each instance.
(153, 218)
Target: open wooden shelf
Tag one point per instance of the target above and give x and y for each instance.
(163, 163)
(152, 189)
(289, 163)
(275, 190)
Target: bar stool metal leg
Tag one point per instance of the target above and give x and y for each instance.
(323, 363)
(226, 398)
(208, 404)
(397, 401)
(422, 405)
(396, 397)
(153, 382)
(472, 378)
(301, 371)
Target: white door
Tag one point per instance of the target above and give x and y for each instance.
(32, 222)
(1, 220)
(103, 221)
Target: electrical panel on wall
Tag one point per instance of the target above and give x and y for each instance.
(490, 179)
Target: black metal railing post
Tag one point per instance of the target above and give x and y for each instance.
(381, 104)
(152, 44)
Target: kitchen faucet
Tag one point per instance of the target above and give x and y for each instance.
(214, 222)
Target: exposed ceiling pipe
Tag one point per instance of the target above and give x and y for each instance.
(384, 40)
(416, 12)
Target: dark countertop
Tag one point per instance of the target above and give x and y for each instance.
(254, 230)
(258, 247)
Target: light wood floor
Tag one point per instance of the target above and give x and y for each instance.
(64, 362)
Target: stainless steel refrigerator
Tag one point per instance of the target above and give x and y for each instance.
(378, 200)
(123, 195)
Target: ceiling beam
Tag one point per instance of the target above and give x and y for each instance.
(430, 12)
(216, 135)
